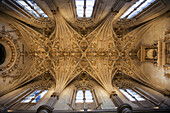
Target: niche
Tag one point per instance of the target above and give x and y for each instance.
(2, 54)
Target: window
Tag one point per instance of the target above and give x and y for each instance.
(32, 8)
(39, 96)
(84, 94)
(88, 96)
(131, 95)
(136, 8)
(84, 8)
(35, 96)
(3, 54)
(79, 96)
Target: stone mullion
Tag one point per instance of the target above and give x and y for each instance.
(19, 100)
(16, 98)
(135, 8)
(19, 8)
(33, 99)
(72, 99)
(134, 98)
(37, 95)
(96, 99)
(94, 104)
(146, 96)
(84, 99)
(143, 92)
(75, 98)
(32, 8)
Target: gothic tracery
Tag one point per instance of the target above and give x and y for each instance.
(58, 50)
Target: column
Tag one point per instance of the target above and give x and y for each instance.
(49, 106)
(115, 98)
(121, 107)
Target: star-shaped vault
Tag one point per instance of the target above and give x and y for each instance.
(65, 53)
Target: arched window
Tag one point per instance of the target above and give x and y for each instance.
(25, 98)
(136, 8)
(84, 96)
(84, 8)
(79, 96)
(84, 99)
(35, 96)
(26, 7)
(133, 91)
(32, 8)
(139, 97)
(131, 95)
(88, 96)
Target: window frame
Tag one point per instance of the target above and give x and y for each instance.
(84, 8)
(32, 99)
(125, 16)
(84, 96)
(134, 99)
(32, 7)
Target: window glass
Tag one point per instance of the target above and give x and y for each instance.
(80, 4)
(138, 97)
(79, 96)
(39, 96)
(127, 95)
(89, 7)
(34, 6)
(32, 95)
(140, 5)
(79, 7)
(132, 8)
(88, 96)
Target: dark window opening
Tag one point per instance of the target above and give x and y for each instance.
(2, 54)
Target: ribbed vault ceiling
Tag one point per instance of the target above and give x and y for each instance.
(65, 52)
